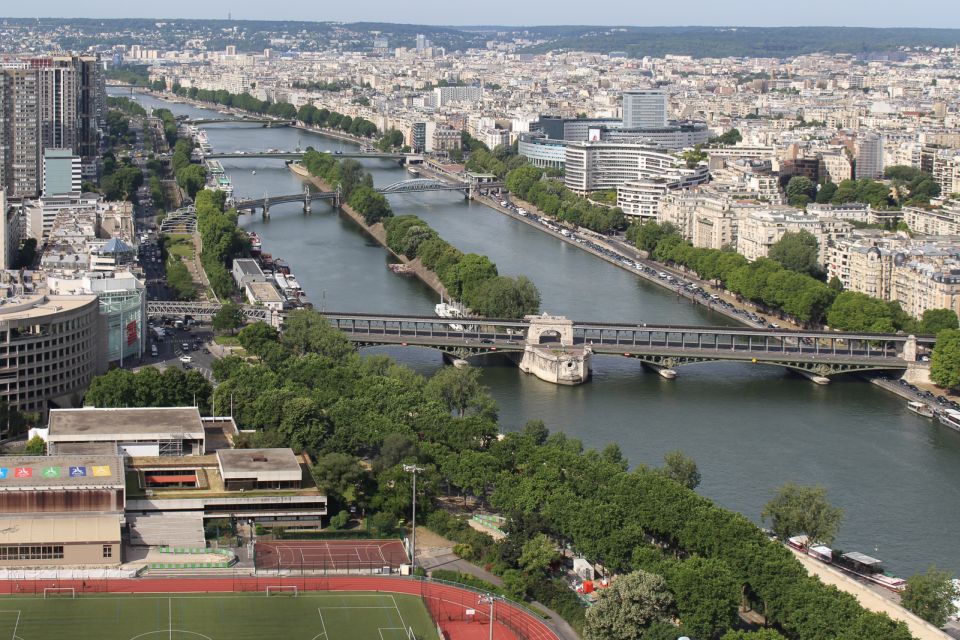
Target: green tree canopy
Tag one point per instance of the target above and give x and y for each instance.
(797, 251)
(680, 468)
(628, 607)
(228, 318)
(931, 595)
(934, 321)
(800, 191)
(796, 509)
(945, 362)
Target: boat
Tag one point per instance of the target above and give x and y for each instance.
(950, 418)
(254, 172)
(255, 243)
(920, 408)
(450, 310)
(413, 172)
(400, 268)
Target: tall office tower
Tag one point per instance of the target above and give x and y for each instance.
(869, 156)
(20, 142)
(422, 42)
(58, 104)
(91, 104)
(644, 109)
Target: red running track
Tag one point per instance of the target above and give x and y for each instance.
(448, 604)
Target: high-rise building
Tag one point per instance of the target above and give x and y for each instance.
(57, 82)
(644, 109)
(422, 43)
(61, 173)
(20, 142)
(91, 104)
(869, 156)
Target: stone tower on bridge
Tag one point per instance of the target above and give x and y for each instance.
(550, 353)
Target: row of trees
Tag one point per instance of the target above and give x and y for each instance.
(356, 185)
(553, 198)
(243, 101)
(471, 278)
(148, 387)
(782, 283)
(309, 114)
(222, 240)
(908, 186)
(121, 178)
(169, 125)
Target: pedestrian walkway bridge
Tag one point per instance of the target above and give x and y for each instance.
(812, 353)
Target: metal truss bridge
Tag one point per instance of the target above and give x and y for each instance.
(817, 353)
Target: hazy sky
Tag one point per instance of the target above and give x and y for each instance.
(865, 13)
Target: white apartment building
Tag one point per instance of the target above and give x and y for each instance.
(759, 230)
(641, 198)
(593, 166)
(869, 156)
(942, 220)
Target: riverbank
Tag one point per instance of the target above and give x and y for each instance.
(378, 233)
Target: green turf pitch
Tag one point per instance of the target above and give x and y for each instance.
(253, 616)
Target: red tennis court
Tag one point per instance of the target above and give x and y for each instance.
(330, 555)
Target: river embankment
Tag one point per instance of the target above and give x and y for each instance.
(377, 232)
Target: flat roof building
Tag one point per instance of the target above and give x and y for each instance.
(142, 432)
(259, 469)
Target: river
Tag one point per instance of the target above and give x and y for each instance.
(751, 428)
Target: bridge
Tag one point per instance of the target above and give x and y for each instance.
(266, 122)
(413, 185)
(815, 354)
(298, 155)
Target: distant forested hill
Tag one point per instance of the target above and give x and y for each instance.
(709, 42)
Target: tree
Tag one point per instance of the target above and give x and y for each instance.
(759, 634)
(707, 595)
(628, 607)
(254, 337)
(936, 320)
(192, 178)
(797, 251)
(682, 469)
(930, 595)
(228, 318)
(36, 446)
(460, 391)
(537, 554)
(826, 192)
(338, 474)
(945, 361)
(800, 191)
(796, 509)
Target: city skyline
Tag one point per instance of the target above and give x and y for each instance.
(930, 14)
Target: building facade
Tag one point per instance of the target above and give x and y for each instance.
(644, 109)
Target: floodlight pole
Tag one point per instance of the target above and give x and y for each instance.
(489, 599)
(414, 469)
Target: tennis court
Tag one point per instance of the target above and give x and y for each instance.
(330, 555)
(285, 613)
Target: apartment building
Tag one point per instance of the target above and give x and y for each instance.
(758, 230)
(941, 219)
(593, 166)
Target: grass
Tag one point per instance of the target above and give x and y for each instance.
(227, 341)
(180, 245)
(309, 615)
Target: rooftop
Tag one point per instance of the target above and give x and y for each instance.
(262, 464)
(62, 530)
(91, 424)
(60, 471)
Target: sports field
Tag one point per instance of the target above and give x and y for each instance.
(253, 616)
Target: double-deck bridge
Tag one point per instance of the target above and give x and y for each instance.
(298, 155)
(812, 353)
(266, 122)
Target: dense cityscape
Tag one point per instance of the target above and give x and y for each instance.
(536, 332)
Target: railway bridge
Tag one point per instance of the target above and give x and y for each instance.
(556, 341)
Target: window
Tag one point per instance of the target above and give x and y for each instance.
(13, 552)
(108, 551)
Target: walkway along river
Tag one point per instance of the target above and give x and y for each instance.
(750, 428)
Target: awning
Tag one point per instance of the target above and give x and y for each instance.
(172, 478)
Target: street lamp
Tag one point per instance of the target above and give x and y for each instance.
(414, 469)
(488, 599)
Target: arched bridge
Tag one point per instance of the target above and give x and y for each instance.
(813, 353)
(267, 122)
(298, 155)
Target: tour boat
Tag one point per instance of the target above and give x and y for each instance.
(920, 408)
(950, 418)
(450, 310)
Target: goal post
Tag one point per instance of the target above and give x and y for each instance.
(59, 592)
(282, 589)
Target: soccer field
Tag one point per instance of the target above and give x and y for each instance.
(253, 616)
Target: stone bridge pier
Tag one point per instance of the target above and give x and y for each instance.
(549, 352)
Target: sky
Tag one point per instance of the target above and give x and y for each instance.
(860, 13)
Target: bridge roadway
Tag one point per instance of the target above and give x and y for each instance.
(822, 353)
(415, 185)
(297, 155)
(267, 122)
